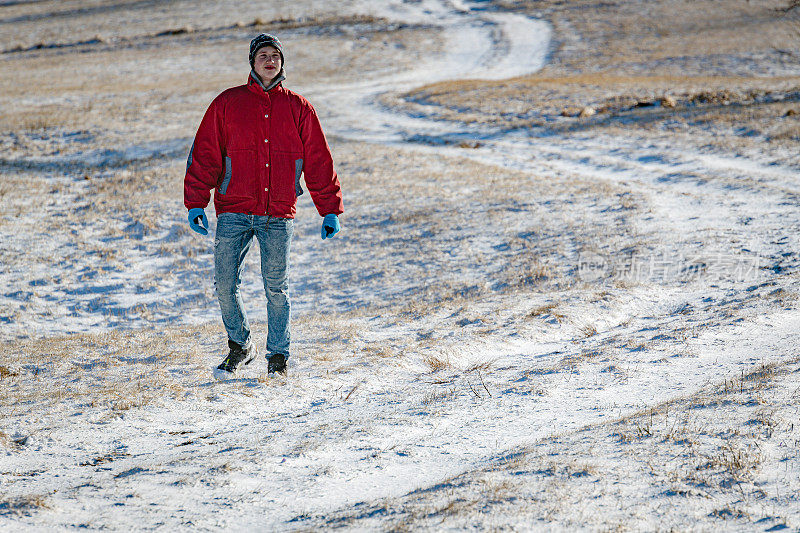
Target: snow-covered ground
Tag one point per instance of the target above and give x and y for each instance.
(516, 329)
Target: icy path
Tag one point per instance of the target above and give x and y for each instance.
(478, 45)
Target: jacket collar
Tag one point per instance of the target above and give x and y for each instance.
(254, 80)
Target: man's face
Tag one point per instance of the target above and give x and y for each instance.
(267, 63)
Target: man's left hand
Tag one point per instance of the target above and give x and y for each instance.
(330, 226)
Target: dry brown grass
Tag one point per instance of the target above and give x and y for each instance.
(630, 35)
(546, 309)
(5, 372)
(75, 21)
(731, 452)
(435, 397)
(787, 133)
(537, 100)
(147, 86)
(674, 69)
(437, 363)
(23, 505)
(110, 372)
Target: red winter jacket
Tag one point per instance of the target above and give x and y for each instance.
(251, 147)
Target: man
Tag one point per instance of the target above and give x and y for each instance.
(252, 146)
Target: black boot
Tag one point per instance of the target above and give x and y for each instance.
(236, 358)
(276, 363)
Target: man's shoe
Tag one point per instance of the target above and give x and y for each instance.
(276, 363)
(236, 358)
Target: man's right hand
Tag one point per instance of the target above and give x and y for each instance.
(198, 220)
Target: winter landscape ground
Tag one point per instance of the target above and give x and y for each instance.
(565, 295)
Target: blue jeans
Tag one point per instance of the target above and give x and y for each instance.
(235, 233)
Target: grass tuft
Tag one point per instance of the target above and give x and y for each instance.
(23, 505)
(437, 363)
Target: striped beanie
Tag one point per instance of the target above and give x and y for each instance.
(265, 39)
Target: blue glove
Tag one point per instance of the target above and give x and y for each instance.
(198, 220)
(330, 226)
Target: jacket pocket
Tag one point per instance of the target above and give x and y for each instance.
(189, 160)
(239, 176)
(298, 170)
(226, 180)
(285, 176)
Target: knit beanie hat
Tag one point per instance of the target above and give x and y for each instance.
(265, 39)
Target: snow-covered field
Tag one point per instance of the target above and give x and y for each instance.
(531, 319)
